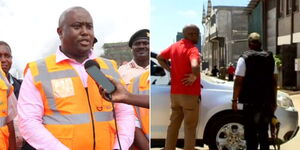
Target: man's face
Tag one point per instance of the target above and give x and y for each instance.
(192, 34)
(77, 33)
(5, 58)
(140, 48)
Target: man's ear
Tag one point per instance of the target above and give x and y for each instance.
(59, 32)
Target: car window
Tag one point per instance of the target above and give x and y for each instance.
(157, 70)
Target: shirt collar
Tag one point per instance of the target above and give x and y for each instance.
(60, 56)
(187, 41)
(133, 64)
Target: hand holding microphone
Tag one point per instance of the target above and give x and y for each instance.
(112, 90)
(93, 69)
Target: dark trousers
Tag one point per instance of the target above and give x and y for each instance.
(257, 118)
(230, 77)
(26, 146)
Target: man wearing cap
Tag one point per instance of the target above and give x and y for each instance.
(185, 86)
(259, 97)
(139, 43)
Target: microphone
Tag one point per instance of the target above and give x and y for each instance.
(93, 69)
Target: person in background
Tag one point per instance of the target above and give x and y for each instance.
(139, 98)
(60, 106)
(139, 43)
(185, 86)
(8, 110)
(255, 86)
(6, 62)
(230, 72)
(123, 94)
(214, 71)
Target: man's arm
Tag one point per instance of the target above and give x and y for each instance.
(121, 95)
(163, 62)
(191, 77)
(126, 127)
(195, 67)
(238, 82)
(12, 137)
(31, 111)
(140, 140)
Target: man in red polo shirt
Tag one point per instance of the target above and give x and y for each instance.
(185, 86)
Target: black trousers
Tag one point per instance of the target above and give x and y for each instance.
(230, 77)
(257, 119)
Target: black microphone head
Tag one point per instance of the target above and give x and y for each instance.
(90, 63)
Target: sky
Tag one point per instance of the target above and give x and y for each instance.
(169, 17)
(29, 26)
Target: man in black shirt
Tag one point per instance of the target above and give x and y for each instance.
(255, 87)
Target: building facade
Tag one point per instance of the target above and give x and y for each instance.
(226, 30)
(119, 52)
(278, 21)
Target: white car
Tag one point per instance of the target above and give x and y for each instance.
(218, 125)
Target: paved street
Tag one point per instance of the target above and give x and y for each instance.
(291, 145)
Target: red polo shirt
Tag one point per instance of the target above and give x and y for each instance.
(181, 54)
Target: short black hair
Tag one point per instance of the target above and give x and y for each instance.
(5, 44)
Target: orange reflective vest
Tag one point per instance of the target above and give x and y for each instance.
(5, 91)
(140, 85)
(80, 118)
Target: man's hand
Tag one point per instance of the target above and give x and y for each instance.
(118, 96)
(189, 79)
(234, 105)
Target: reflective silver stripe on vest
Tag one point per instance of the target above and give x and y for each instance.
(7, 84)
(2, 121)
(139, 117)
(66, 119)
(136, 87)
(103, 116)
(76, 118)
(136, 90)
(45, 77)
(110, 71)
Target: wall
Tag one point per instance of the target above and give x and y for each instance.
(255, 20)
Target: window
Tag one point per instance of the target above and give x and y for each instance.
(295, 5)
(281, 8)
(288, 7)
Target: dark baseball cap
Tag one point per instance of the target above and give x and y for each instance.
(141, 34)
